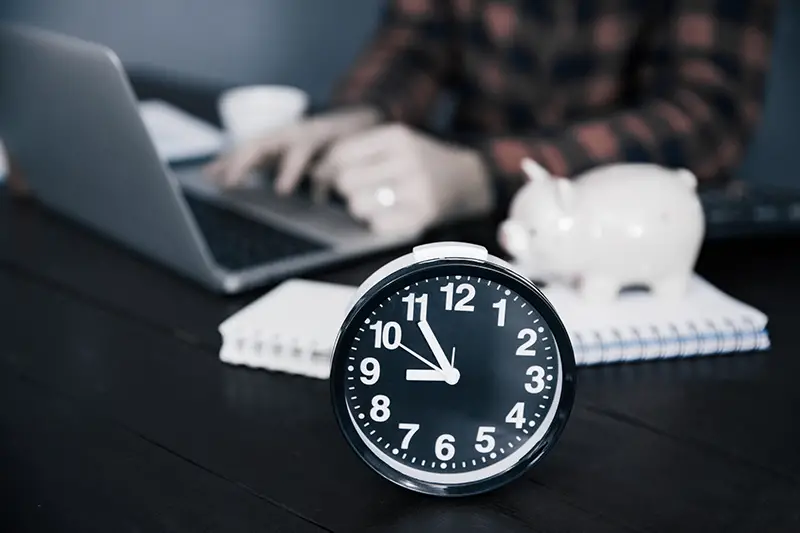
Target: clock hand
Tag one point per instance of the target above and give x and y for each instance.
(424, 374)
(418, 356)
(451, 375)
(434, 345)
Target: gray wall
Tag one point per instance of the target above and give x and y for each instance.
(302, 42)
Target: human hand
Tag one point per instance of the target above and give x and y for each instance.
(401, 181)
(297, 144)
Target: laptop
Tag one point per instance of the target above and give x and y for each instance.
(72, 121)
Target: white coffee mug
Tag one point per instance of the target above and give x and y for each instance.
(251, 111)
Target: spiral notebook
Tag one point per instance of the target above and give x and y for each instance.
(293, 327)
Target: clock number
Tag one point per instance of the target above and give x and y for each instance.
(525, 348)
(371, 369)
(501, 312)
(444, 447)
(516, 415)
(411, 429)
(537, 378)
(389, 336)
(463, 304)
(380, 408)
(485, 441)
(410, 299)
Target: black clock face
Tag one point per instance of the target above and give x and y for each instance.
(451, 376)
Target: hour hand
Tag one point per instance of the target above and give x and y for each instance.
(450, 377)
(424, 374)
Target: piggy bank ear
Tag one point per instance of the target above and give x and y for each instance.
(534, 171)
(565, 194)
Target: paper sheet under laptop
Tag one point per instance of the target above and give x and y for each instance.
(177, 135)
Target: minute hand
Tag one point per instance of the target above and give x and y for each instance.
(434, 345)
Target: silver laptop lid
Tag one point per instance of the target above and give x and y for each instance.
(70, 119)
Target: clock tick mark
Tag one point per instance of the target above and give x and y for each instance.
(423, 462)
(379, 439)
(443, 466)
(493, 455)
(530, 313)
(511, 445)
(508, 292)
(541, 406)
(547, 347)
(532, 423)
(372, 432)
(404, 456)
(387, 446)
(474, 463)
(366, 321)
(350, 368)
(395, 451)
(519, 438)
(483, 459)
(349, 377)
(541, 330)
(549, 378)
(546, 397)
(352, 358)
(361, 417)
(353, 397)
(537, 415)
(535, 321)
(525, 431)
(413, 459)
(551, 355)
(356, 338)
(463, 464)
(351, 388)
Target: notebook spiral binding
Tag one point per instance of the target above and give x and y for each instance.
(273, 352)
(722, 336)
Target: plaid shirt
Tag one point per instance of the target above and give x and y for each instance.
(576, 83)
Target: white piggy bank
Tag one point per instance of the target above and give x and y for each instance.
(610, 228)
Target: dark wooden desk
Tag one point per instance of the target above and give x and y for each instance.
(116, 414)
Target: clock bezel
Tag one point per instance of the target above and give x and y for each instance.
(442, 267)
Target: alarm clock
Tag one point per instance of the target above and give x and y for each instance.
(452, 374)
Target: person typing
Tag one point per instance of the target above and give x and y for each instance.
(570, 84)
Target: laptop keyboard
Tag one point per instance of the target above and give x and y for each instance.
(751, 210)
(237, 242)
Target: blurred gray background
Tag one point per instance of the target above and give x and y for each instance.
(309, 43)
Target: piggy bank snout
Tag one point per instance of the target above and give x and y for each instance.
(513, 237)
